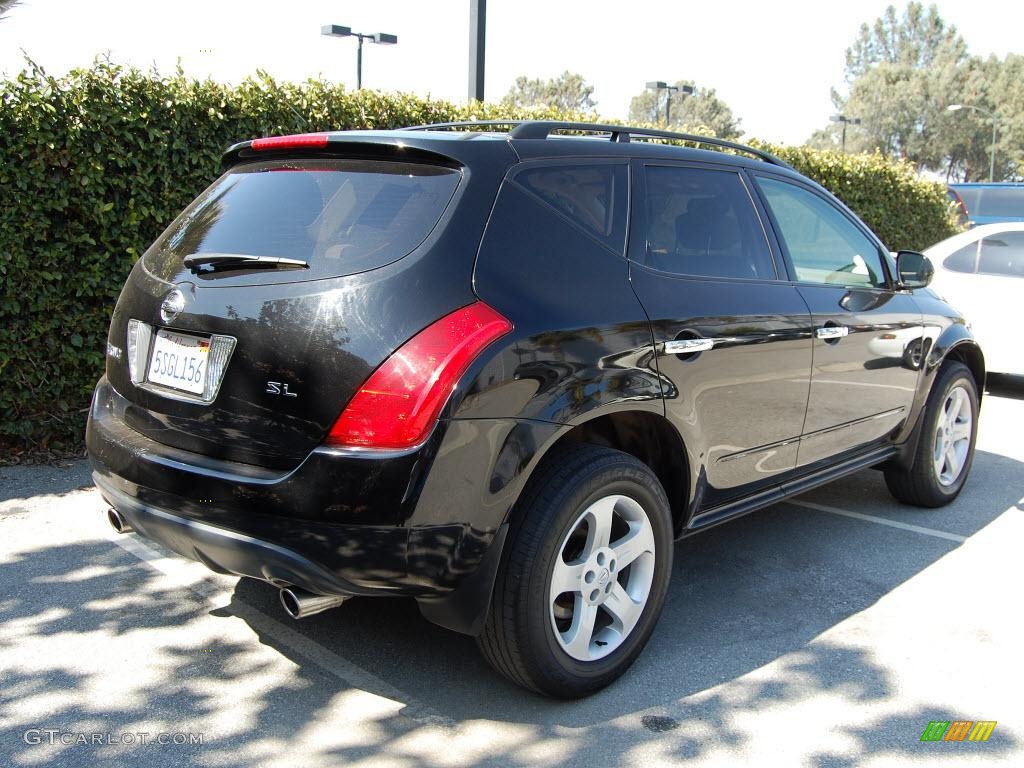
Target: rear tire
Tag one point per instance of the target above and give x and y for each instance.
(945, 449)
(585, 577)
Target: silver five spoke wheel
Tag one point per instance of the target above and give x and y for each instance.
(953, 436)
(602, 577)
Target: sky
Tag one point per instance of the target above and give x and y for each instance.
(774, 63)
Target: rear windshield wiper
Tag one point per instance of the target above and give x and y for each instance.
(213, 262)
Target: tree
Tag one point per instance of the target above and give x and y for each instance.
(918, 41)
(568, 92)
(700, 110)
(901, 75)
(1006, 96)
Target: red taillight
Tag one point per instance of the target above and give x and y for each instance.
(298, 141)
(398, 405)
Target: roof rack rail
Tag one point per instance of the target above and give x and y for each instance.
(541, 129)
(460, 124)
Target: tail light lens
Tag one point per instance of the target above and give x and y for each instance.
(398, 405)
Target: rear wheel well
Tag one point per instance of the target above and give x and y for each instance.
(971, 356)
(651, 439)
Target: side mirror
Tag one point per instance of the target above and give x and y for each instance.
(914, 269)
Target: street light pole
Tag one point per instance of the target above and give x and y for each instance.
(992, 152)
(477, 46)
(659, 85)
(845, 121)
(381, 38)
(359, 64)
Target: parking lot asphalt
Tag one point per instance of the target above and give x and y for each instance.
(826, 631)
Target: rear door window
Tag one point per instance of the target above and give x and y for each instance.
(592, 196)
(702, 222)
(340, 216)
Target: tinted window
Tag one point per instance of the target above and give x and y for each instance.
(993, 201)
(703, 222)
(963, 259)
(823, 244)
(341, 216)
(1001, 254)
(592, 196)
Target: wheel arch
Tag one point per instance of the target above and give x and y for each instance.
(956, 345)
(647, 436)
(968, 352)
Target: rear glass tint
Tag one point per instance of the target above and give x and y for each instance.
(993, 201)
(339, 216)
(593, 197)
(703, 222)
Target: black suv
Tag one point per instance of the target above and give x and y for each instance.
(500, 372)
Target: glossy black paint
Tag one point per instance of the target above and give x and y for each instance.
(732, 429)
(387, 523)
(863, 384)
(739, 407)
(322, 337)
(739, 429)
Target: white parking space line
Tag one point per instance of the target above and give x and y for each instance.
(880, 520)
(195, 577)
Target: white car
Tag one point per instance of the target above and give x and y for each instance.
(981, 273)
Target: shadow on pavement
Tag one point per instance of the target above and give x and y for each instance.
(23, 482)
(744, 595)
(1005, 385)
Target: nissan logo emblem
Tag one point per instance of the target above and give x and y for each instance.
(172, 305)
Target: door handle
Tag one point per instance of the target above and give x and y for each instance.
(688, 346)
(832, 332)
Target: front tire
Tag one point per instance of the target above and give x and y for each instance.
(586, 575)
(945, 449)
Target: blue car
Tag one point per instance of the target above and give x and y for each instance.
(991, 203)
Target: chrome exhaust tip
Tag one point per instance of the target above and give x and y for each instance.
(298, 603)
(117, 521)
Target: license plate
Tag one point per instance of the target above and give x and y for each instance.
(179, 361)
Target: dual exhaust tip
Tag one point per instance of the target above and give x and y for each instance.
(298, 603)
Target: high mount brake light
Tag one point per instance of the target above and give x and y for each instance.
(297, 141)
(398, 405)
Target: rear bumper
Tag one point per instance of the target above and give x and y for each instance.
(429, 523)
(224, 550)
(336, 524)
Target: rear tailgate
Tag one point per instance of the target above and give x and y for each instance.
(387, 247)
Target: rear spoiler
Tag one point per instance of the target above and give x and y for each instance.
(352, 144)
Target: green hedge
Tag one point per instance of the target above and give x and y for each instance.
(94, 164)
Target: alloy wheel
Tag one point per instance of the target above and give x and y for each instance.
(953, 436)
(602, 577)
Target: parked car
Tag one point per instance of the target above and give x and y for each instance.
(991, 203)
(500, 372)
(981, 273)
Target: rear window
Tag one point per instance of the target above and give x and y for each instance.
(340, 216)
(993, 201)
